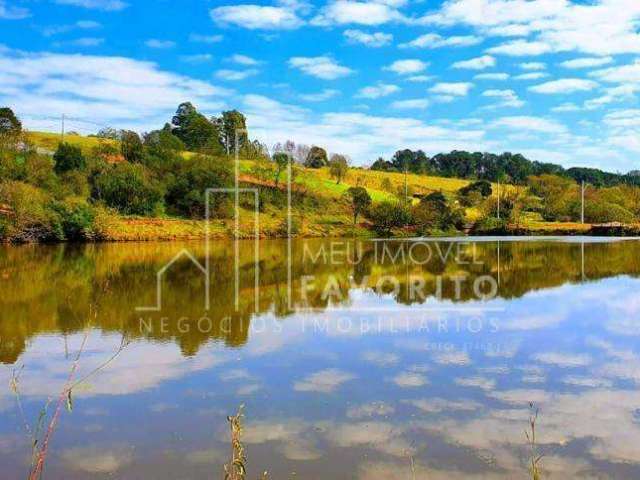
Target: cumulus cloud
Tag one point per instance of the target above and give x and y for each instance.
(520, 48)
(244, 60)
(342, 12)
(478, 63)
(507, 98)
(458, 89)
(410, 104)
(375, 39)
(323, 67)
(324, 381)
(586, 62)
(563, 359)
(564, 86)
(531, 76)
(325, 94)
(407, 66)
(160, 44)
(533, 66)
(235, 75)
(629, 73)
(492, 76)
(377, 91)
(528, 123)
(433, 40)
(110, 90)
(410, 380)
(256, 17)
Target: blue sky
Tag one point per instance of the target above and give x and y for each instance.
(554, 79)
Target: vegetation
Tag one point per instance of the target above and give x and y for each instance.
(122, 185)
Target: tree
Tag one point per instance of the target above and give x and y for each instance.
(108, 133)
(128, 188)
(195, 130)
(131, 147)
(281, 161)
(68, 157)
(338, 167)
(317, 158)
(360, 201)
(433, 212)
(9, 123)
(387, 215)
(233, 124)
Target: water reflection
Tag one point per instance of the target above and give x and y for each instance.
(342, 375)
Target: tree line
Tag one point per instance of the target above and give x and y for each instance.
(506, 167)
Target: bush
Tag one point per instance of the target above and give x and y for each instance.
(388, 215)
(433, 213)
(31, 219)
(68, 157)
(128, 188)
(76, 218)
(474, 193)
(604, 212)
(186, 190)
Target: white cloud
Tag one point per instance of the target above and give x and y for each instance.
(98, 459)
(79, 25)
(563, 359)
(554, 25)
(324, 381)
(531, 76)
(232, 75)
(198, 38)
(410, 380)
(257, 17)
(492, 76)
(322, 67)
(244, 60)
(507, 98)
(408, 66)
(458, 89)
(479, 63)
(420, 78)
(587, 62)
(566, 107)
(110, 90)
(106, 5)
(533, 66)
(521, 48)
(527, 123)
(433, 40)
(376, 39)
(160, 44)
(629, 73)
(9, 12)
(325, 94)
(377, 91)
(197, 58)
(342, 12)
(411, 104)
(564, 86)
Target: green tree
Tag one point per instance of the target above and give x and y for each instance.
(233, 123)
(131, 147)
(281, 160)
(195, 130)
(316, 158)
(68, 157)
(128, 188)
(360, 201)
(388, 215)
(338, 167)
(9, 123)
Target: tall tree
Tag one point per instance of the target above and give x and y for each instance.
(316, 158)
(195, 130)
(9, 123)
(338, 166)
(131, 147)
(233, 125)
(360, 201)
(68, 157)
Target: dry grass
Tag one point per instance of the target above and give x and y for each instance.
(49, 141)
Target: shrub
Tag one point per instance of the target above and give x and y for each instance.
(433, 213)
(76, 218)
(68, 157)
(127, 188)
(186, 191)
(388, 215)
(474, 193)
(32, 218)
(360, 201)
(604, 212)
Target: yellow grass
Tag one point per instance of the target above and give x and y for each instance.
(50, 141)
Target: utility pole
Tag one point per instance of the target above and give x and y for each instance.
(582, 215)
(406, 186)
(62, 130)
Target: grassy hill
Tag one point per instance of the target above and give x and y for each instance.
(329, 214)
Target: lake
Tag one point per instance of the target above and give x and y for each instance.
(352, 359)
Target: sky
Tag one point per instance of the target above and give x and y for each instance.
(556, 80)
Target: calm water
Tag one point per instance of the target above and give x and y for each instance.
(353, 359)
